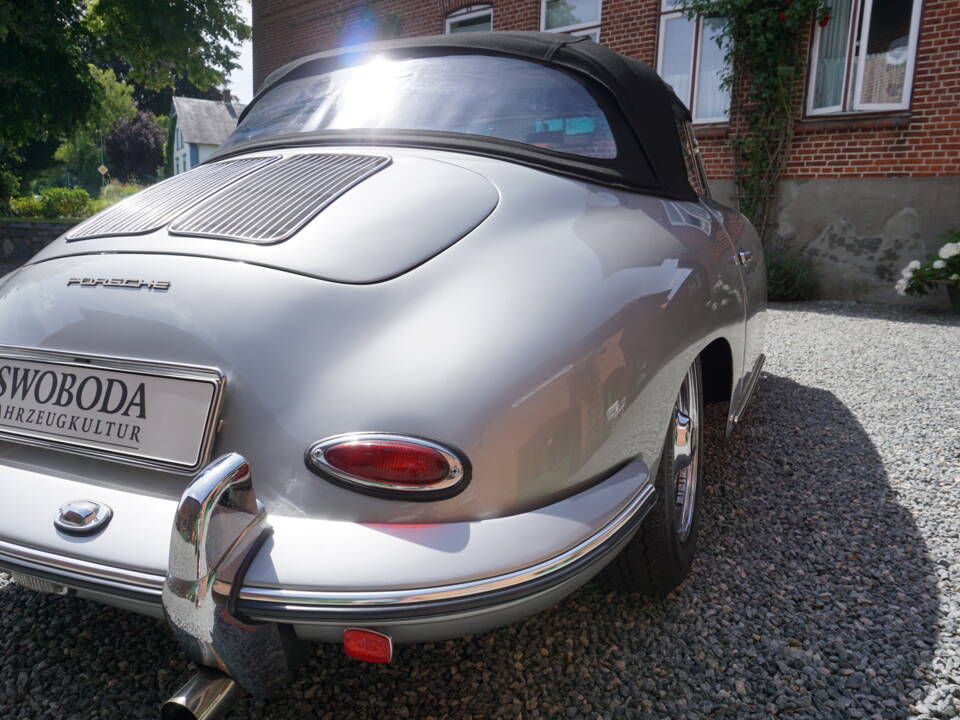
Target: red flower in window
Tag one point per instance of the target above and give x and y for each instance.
(824, 20)
(782, 15)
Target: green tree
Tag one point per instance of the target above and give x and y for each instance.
(135, 149)
(165, 40)
(81, 152)
(45, 48)
(44, 82)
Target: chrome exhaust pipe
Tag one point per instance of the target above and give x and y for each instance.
(208, 695)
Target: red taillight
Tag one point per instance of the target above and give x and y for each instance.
(389, 462)
(367, 645)
(390, 465)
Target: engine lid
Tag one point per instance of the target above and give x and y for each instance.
(378, 226)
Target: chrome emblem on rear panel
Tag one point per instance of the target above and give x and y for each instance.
(124, 283)
(82, 517)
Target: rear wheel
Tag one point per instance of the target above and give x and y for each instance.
(659, 556)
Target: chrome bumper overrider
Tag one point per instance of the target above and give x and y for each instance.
(218, 529)
(243, 630)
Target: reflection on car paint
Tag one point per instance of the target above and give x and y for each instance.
(688, 215)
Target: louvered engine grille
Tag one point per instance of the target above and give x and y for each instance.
(156, 206)
(273, 204)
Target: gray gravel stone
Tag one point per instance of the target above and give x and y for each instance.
(827, 583)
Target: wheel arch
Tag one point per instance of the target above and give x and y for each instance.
(716, 366)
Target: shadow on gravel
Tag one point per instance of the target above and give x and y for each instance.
(812, 597)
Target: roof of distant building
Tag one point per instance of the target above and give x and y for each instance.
(207, 122)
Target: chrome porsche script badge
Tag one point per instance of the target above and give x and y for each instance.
(125, 283)
(82, 517)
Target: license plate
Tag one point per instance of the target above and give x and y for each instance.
(151, 414)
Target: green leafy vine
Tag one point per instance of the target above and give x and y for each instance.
(761, 41)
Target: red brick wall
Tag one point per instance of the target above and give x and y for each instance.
(921, 142)
(284, 30)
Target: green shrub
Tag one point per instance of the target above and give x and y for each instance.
(29, 206)
(919, 278)
(114, 192)
(64, 202)
(9, 185)
(790, 276)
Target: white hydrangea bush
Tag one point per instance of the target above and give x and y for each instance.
(918, 278)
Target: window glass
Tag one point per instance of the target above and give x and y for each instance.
(713, 100)
(677, 55)
(470, 22)
(564, 13)
(831, 56)
(887, 51)
(876, 73)
(691, 61)
(526, 103)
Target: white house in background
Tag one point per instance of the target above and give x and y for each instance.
(200, 126)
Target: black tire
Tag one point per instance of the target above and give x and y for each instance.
(659, 556)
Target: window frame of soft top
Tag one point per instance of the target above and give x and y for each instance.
(619, 128)
(609, 171)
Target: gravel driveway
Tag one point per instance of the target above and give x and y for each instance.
(827, 585)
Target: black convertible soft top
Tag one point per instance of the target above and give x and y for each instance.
(642, 108)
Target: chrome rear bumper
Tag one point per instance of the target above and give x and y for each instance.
(218, 530)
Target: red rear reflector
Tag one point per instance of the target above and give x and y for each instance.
(389, 461)
(367, 645)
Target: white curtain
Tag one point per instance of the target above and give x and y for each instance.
(831, 57)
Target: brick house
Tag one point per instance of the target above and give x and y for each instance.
(874, 171)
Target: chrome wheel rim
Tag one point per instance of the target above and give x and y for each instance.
(686, 452)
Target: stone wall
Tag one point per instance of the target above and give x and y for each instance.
(21, 240)
(860, 232)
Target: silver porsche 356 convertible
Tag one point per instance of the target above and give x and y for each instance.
(417, 353)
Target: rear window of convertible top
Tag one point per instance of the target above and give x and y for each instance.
(482, 95)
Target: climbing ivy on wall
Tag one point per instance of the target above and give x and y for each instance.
(761, 41)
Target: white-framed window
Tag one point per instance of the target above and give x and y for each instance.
(692, 63)
(470, 19)
(863, 57)
(592, 33)
(577, 17)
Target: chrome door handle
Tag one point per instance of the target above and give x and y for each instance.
(745, 257)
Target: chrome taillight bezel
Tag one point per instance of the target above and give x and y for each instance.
(456, 480)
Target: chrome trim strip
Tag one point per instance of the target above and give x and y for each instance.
(316, 599)
(319, 600)
(83, 570)
(754, 377)
(152, 368)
